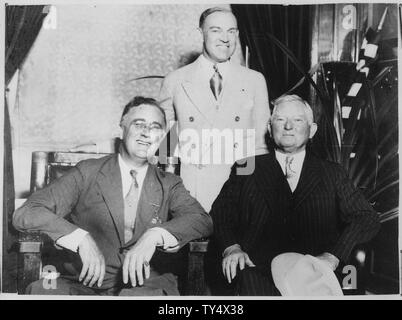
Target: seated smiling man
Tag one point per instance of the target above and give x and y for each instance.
(113, 213)
(292, 202)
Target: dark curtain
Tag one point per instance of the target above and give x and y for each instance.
(289, 24)
(22, 27)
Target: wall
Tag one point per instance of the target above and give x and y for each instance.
(78, 75)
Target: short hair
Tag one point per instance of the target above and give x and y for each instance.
(294, 97)
(138, 101)
(210, 11)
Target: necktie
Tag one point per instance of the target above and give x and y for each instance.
(290, 173)
(130, 207)
(216, 82)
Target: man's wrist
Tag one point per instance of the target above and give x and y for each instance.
(155, 237)
(73, 240)
(230, 249)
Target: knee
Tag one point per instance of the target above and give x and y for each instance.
(253, 282)
(36, 287)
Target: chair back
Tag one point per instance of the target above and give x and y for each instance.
(50, 165)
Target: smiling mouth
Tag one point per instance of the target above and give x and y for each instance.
(144, 143)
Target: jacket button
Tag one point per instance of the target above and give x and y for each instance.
(235, 145)
(237, 118)
(191, 119)
(193, 146)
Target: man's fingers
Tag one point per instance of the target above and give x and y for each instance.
(249, 262)
(90, 273)
(224, 261)
(147, 269)
(233, 267)
(227, 270)
(102, 272)
(96, 274)
(132, 271)
(83, 270)
(126, 264)
(139, 267)
(241, 262)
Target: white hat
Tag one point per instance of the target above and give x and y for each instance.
(296, 274)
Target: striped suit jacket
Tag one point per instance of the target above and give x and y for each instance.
(326, 213)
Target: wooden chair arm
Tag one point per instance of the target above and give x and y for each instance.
(29, 259)
(195, 279)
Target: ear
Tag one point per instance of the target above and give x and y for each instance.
(201, 32)
(120, 131)
(269, 128)
(313, 130)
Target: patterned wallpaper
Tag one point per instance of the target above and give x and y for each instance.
(78, 76)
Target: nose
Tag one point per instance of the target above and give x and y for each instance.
(288, 125)
(145, 131)
(224, 37)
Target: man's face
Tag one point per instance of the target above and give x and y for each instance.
(143, 128)
(220, 34)
(290, 128)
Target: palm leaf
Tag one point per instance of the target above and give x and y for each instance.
(296, 63)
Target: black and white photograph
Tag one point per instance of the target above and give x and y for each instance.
(200, 150)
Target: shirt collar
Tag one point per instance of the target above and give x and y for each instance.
(126, 176)
(298, 159)
(208, 67)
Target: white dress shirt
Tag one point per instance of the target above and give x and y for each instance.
(297, 165)
(72, 240)
(208, 70)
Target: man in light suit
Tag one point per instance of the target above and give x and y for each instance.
(212, 98)
(118, 216)
(293, 202)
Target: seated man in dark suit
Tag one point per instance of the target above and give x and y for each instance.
(113, 213)
(292, 202)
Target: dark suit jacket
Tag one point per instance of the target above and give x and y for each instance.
(326, 213)
(90, 197)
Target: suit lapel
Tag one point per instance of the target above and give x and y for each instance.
(109, 181)
(199, 93)
(309, 179)
(149, 204)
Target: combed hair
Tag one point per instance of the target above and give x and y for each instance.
(294, 97)
(139, 100)
(210, 11)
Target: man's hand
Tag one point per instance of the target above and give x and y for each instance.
(136, 261)
(234, 256)
(93, 262)
(329, 259)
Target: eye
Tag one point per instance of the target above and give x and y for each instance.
(155, 127)
(138, 125)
